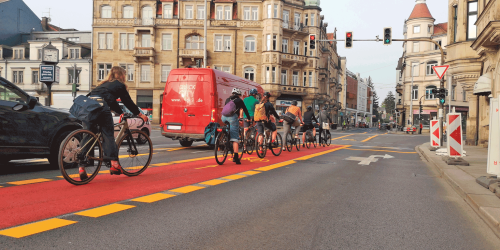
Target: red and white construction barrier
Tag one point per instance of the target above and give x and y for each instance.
(435, 134)
(493, 166)
(454, 135)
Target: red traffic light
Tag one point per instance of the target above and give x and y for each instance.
(349, 34)
(312, 37)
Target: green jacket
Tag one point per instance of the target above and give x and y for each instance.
(250, 103)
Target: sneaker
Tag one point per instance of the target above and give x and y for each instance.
(116, 169)
(303, 145)
(261, 152)
(83, 174)
(236, 159)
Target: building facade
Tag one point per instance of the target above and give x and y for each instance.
(16, 19)
(416, 77)
(265, 41)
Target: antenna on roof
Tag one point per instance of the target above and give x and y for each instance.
(48, 18)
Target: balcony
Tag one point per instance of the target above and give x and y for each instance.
(399, 89)
(223, 23)
(250, 24)
(294, 59)
(294, 90)
(144, 53)
(191, 53)
(144, 22)
(167, 22)
(113, 22)
(298, 30)
(197, 23)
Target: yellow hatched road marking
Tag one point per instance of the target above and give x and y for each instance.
(307, 157)
(37, 227)
(278, 165)
(101, 211)
(390, 151)
(213, 182)
(369, 138)
(186, 189)
(234, 177)
(153, 197)
(251, 172)
(29, 181)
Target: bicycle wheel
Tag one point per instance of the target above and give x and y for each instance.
(297, 144)
(134, 157)
(289, 142)
(241, 143)
(328, 139)
(260, 146)
(250, 141)
(308, 141)
(78, 150)
(221, 148)
(277, 148)
(314, 142)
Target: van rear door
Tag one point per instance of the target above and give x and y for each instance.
(199, 100)
(174, 104)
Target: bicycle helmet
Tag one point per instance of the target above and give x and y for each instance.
(267, 94)
(236, 91)
(309, 107)
(254, 92)
(294, 103)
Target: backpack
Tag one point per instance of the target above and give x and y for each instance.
(229, 109)
(86, 109)
(260, 112)
(289, 117)
(211, 133)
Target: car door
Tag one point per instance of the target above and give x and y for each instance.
(18, 129)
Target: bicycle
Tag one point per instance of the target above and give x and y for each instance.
(264, 142)
(326, 138)
(290, 140)
(310, 139)
(83, 148)
(250, 139)
(223, 145)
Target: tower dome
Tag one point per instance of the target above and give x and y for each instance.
(312, 2)
(420, 10)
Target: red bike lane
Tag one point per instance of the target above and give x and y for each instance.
(34, 202)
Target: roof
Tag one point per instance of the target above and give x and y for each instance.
(330, 36)
(400, 64)
(420, 10)
(440, 28)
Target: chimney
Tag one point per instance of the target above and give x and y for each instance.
(45, 23)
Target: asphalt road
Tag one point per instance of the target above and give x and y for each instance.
(375, 194)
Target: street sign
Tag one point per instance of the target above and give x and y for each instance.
(47, 73)
(440, 70)
(435, 133)
(454, 135)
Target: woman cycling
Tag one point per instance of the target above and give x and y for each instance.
(233, 106)
(109, 90)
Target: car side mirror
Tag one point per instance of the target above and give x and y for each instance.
(20, 107)
(32, 102)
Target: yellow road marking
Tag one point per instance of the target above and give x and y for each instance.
(175, 149)
(186, 189)
(127, 156)
(382, 151)
(321, 153)
(364, 133)
(29, 181)
(37, 227)
(369, 138)
(181, 161)
(101, 211)
(153, 197)
(274, 166)
(251, 172)
(234, 177)
(211, 166)
(213, 182)
(348, 140)
(341, 137)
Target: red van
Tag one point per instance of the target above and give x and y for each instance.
(195, 97)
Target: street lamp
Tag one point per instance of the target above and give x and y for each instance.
(411, 94)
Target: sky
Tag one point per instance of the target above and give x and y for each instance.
(365, 18)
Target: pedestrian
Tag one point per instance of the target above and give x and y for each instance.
(421, 127)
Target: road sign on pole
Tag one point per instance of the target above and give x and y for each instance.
(493, 165)
(440, 70)
(454, 135)
(435, 134)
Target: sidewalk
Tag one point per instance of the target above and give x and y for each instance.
(463, 180)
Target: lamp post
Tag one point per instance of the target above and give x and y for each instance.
(205, 36)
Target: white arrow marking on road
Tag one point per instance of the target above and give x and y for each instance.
(383, 156)
(367, 160)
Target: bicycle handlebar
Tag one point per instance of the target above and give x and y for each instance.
(126, 116)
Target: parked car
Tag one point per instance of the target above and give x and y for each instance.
(384, 126)
(29, 129)
(363, 125)
(133, 123)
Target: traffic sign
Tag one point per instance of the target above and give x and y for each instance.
(435, 133)
(454, 134)
(440, 70)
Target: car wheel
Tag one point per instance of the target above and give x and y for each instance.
(186, 143)
(54, 151)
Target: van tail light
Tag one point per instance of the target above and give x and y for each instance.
(219, 130)
(213, 119)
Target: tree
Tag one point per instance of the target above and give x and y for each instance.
(375, 99)
(390, 103)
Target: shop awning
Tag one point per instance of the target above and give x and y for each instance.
(483, 85)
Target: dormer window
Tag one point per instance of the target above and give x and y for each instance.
(74, 53)
(18, 54)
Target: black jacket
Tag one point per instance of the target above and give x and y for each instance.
(110, 91)
(239, 104)
(309, 117)
(271, 111)
(324, 117)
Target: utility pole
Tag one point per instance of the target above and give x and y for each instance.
(205, 36)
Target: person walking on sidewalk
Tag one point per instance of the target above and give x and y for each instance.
(421, 127)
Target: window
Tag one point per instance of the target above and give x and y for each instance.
(268, 74)
(227, 43)
(126, 41)
(471, 20)
(222, 43)
(295, 78)
(268, 42)
(249, 44)
(455, 22)
(283, 77)
(12, 94)
(295, 47)
(269, 11)
(428, 93)
(464, 94)
(39, 54)
(275, 11)
(165, 70)
(71, 76)
(255, 13)
(429, 70)
(416, 29)
(219, 14)
(415, 69)
(304, 83)
(74, 53)
(128, 11)
(437, 47)
(34, 76)
(73, 39)
(247, 13)
(305, 48)
(103, 70)
(195, 42)
(306, 19)
(226, 69)
(310, 79)
(201, 12)
(414, 95)
(145, 72)
(453, 90)
(274, 75)
(296, 21)
(312, 20)
(275, 42)
(228, 13)
(105, 40)
(106, 11)
(286, 18)
(189, 12)
(416, 47)
(166, 42)
(21, 77)
(145, 40)
(130, 72)
(17, 76)
(284, 46)
(167, 11)
(249, 73)
(429, 29)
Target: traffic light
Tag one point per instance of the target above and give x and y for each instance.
(421, 109)
(348, 40)
(442, 96)
(75, 88)
(312, 41)
(387, 36)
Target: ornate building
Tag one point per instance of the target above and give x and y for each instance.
(266, 41)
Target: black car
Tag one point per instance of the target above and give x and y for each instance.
(29, 129)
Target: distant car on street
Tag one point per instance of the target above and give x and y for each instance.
(29, 129)
(133, 123)
(363, 125)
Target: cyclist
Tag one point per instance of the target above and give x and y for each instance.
(109, 90)
(234, 130)
(263, 111)
(307, 124)
(323, 117)
(295, 111)
(250, 103)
